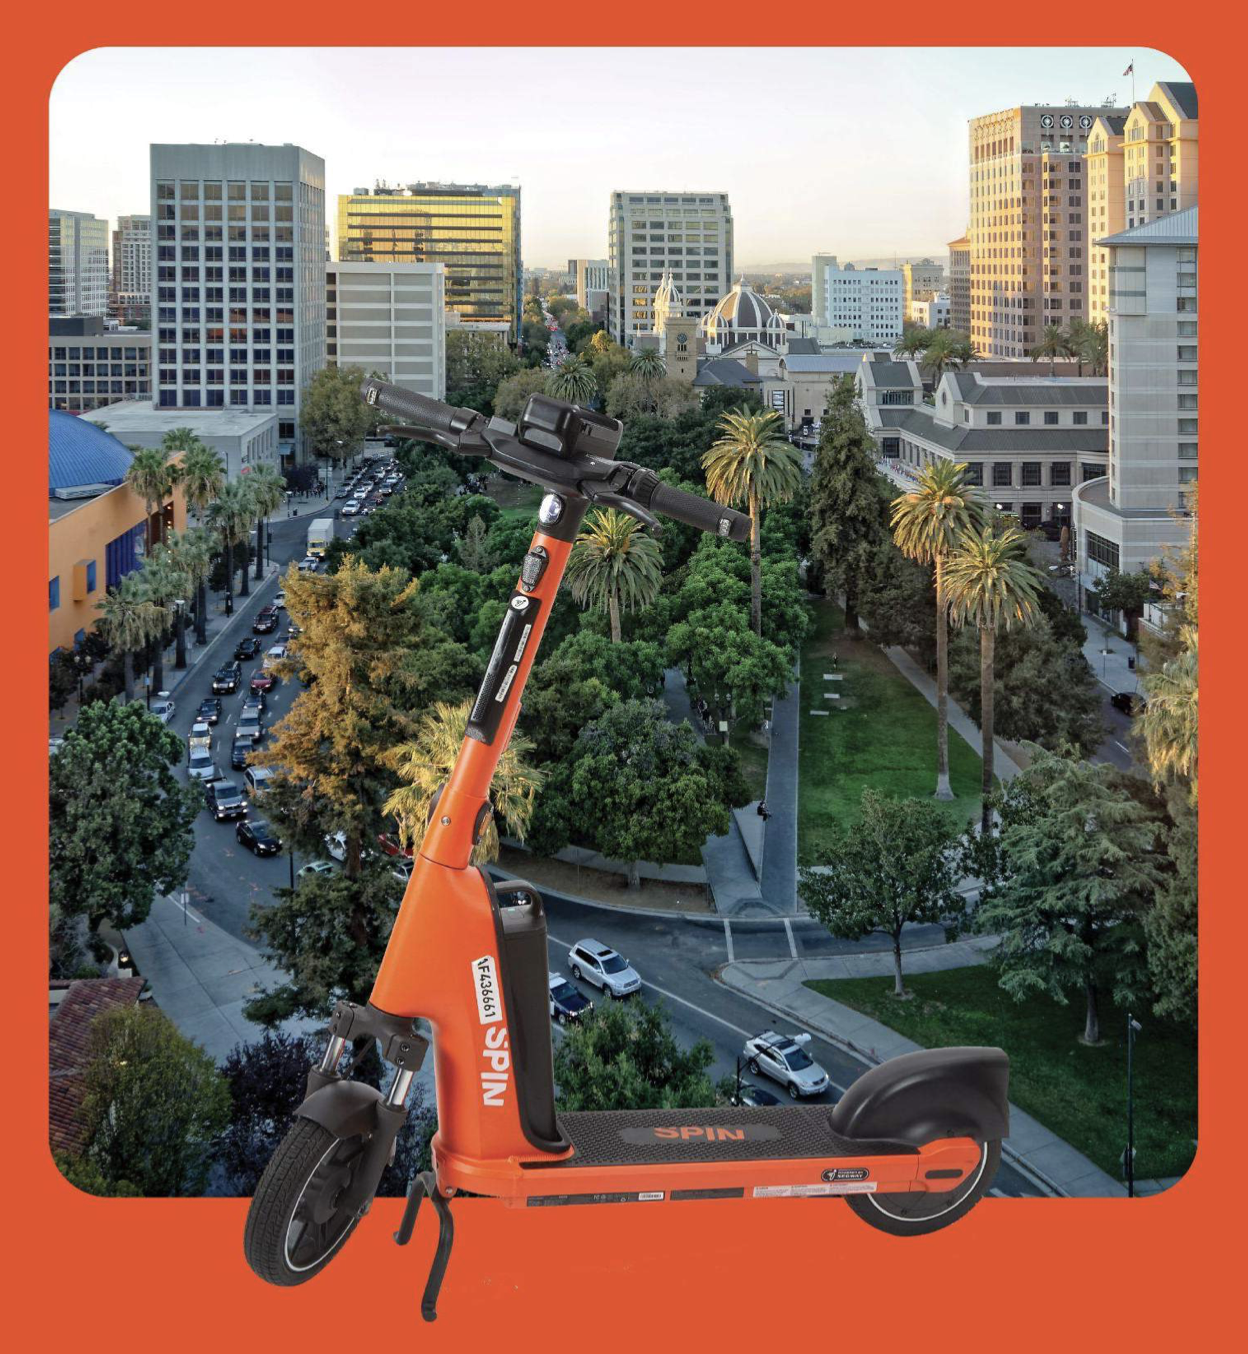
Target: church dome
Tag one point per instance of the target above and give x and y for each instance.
(742, 308)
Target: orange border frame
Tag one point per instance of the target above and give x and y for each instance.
(121, 1273)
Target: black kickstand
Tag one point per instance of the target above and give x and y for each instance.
(426, 1184)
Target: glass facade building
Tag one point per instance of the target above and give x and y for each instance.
(77, 264)
(471, 229)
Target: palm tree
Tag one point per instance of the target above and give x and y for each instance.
(913, 342)
(1170, 722)
(990, 583)
(425, 763)
(1089, 343)
(231, 515)
(946, 348)
(268, 489)
(647, 363)
(203, 476)
(755, 466)
(162, 583)
(128, 620)
(1053, 344)
(573, 381)
(614, 566)
(151, 477)
(927, 524)
(189, 554)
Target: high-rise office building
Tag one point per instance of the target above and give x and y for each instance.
(1140, 167)
(238, 279)
(473, 230)
(651, 233)
(1028, 224)
(960, 285)
(921, 281)
(90, 367)
(862, 304)
(130, 293)
(1125, 519)
(587, 275)
(77, 264)
(389, 318)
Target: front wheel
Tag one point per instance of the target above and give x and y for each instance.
(295, 1225)
(915, 1212)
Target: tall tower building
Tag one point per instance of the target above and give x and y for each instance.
(1028, 223)
(654, 232)
(77, 264)
(587, 275)
(678, 333)
(960, 285)
(130, 293)
(864, 304)
(389, 318)
(819, 265)
(1140, 167)
(471, 229)
(238, 278)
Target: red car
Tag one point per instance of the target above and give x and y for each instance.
(262, 681)
(391, 847)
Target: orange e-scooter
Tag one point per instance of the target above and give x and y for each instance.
(912, 1145)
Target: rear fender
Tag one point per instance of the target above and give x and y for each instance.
(936, 1093)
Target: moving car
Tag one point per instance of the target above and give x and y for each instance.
(225, 800)
(250, 726)
(266, 621)
(1129, 702)
(200, 736)
(247, 648)
(258, 779)
(163, 707)
(274, 656)
(309, 564)
(258, 838)
(225, 680)
(210, 710)
(351, 510)
(240, 751)
(201, 766)
(599, 964)
(280, 600)
(566, 1002)
(391, 846)
(262, 681)
(783, 1058)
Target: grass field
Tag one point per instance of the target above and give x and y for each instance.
(753, 766)
(1078, 1092)
(515, 499)
(881, 732)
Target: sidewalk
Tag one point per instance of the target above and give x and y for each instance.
(1112, 669)
(778, 986)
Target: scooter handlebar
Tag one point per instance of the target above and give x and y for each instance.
(415, 409)
(698, 512)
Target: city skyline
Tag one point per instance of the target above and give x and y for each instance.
(858, 206)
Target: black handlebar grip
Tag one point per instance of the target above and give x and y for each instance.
(416, 409)
(699, 512)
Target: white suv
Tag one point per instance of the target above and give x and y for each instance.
(784, 1058)
(599, 964)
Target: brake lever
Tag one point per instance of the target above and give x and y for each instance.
(448, 440)
(607, 500)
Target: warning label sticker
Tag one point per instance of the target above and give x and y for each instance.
(809, 1191)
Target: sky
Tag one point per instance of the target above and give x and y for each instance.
(858, 152)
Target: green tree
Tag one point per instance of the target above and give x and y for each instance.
(162, 582)
(946, 348)
(614, 566)
(129, 620)
(1053, 344)
(154, 1103)
(1128, 593)
(268, 493)
(333, 417)
(1079, 868)
(85, 1174)
(1170, 725)
(513, 392)
(927, 525)
(992, 586)
(631, 395)
(624, 1057)
(753, 466)
(899, 865)
(230, 516)
(1089, 343)
(120, 821)
(151, 476)
(647, 363)
(896, 603)
(192, 553)
(203, 477)
(1171, 923)
(573, 380)
(847, 512)
(475, 364)
(913, 342)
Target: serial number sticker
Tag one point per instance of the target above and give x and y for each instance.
(524, 641)
(505, 685)
(813, 1191)
(562, 1200)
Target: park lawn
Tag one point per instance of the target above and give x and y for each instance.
(1078, 1092)
(884, 736)
(753, 766)
(515, 498)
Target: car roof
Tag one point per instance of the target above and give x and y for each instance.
(595, 947)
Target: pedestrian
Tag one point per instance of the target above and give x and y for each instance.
(834, 658)
(763, 811)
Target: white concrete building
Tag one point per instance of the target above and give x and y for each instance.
(936, 313)
(77, 264)
(238, 287)
(130, 297)
(243, 438)
(588, 275)
(654, 232)
(389, 318)
(1126, 519)
(864, 305)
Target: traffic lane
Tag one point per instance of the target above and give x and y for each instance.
(700, 1008)
(1116, 748)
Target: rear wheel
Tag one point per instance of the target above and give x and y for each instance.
(296, 1224)
(916, 1212)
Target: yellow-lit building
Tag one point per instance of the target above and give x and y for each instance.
(472, 230)
(96, 526)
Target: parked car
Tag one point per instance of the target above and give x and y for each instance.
(280, 600)
(566, 1002)
(225, 800)
(209, 710)
(315, 867)
(262, 681)
(599, 964)
(200, 736)
(250, 726)
(401, 868)
(754, 1097)
(247, 648)
(225, 680)
(1129, 702)
(241, 751)
(201, 766)
(257, 837)
(163, 707)
(391, 846)
(783, 1058)
(265, 622)
(336, 845)
(258, 779)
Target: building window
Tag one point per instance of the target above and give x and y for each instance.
(54, 593)
(1050, 417)
(1022, 417)
(1080, 417)
(1091, 472)
(1059, 473)
(1002, 474)
(1102, 551)
(975, 472)
(1031, 473)
(90, 576)
(994, 417)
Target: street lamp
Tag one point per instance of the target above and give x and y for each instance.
(1128, 1157)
